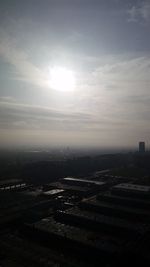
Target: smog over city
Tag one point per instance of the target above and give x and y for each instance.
(74, 133)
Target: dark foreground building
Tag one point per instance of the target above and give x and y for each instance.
(76, 222)
(141, 147)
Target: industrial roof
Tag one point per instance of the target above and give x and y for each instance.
(84, 181)
(53, 191)
(133, 187)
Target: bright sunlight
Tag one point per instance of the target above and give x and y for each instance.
(62, 79)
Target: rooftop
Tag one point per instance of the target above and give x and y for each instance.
(10, 182)
(117, 210)
(133, 187)
(95, 240)
(70, 187)
(104, 220)
(83, 181)
(53, 192)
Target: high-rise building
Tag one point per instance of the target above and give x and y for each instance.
(141, 147)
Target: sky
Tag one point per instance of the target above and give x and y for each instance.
(104, 44)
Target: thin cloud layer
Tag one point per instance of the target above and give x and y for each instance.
(25, 70)
(140, 12)
(111, 60)
(28, 116)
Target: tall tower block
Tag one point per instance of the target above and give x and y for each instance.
(142, 147)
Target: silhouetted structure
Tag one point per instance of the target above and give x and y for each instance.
(99, 219)
(142, 147)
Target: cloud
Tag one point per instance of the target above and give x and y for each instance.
(15, 116)
(111, 106)
(140, 12)
(120, 92)
(124, 76)
(23, 124)
(25, 70)
(19, 115)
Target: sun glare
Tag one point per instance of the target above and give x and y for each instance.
(62, 79)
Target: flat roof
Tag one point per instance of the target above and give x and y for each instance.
(100, 218)
(104, 204)
(124, 200)
(10, 182)
(133, 187)
(70, 187)
(53, 191)
(95, 240)
(84, 180)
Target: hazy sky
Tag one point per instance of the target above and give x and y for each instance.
(106, 44)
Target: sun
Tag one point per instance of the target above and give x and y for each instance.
(62, 79)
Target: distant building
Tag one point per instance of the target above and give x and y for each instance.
(141, 147)
(133, 190)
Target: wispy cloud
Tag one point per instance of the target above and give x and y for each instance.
(125, 76)
(28, 117)
(140, 12)
(25, 70)
(22, 124)
(18, 115)
(121, 91)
